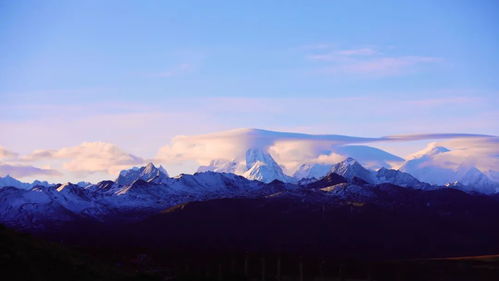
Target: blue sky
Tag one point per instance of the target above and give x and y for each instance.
(137, 73)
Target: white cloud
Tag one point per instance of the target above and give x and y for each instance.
(11, 164)
(288, 149)
(482, 153)
(141, 128)
(89, 157)
(126, 124)
(99, 160)
(384, 66)
(452, 160)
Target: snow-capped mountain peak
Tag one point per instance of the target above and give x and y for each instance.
(10, 181)
(475, 180)
(399, 178)
(312, 170)
(429, 165)
(255, 164)
(222, 166)
(261, 166)
(258, 155)
(147, 173)
(350, 168)
(430, 150)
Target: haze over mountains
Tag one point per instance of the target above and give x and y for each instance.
(458, 159)
(289, 157)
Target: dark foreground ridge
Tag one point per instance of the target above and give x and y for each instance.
(396, 223)
(397, 232)
(26, 258)
(23, 257)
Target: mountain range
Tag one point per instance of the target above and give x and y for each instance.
(256, 164)
(144, 207)
(141, 191)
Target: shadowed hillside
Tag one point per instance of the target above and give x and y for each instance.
(23, 258)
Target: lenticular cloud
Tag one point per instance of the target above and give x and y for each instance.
(293, 149)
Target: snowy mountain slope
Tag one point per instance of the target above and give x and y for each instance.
(227, 150)
(493, 175)
(308, 156)
(142, 191)
(10, 181)
(352, 171)
(148, 173)
(422, 166)
(223, 166)
(33, 209)
(255, 165)
(432, 165)
(350, 168)
(312, 170)
(474, 180)
(399, 178)
(370, 157)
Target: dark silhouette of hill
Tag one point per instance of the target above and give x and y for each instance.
(24, 258)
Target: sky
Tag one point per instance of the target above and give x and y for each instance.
(126, 77)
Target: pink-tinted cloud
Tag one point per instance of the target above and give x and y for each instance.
(368, 61)
(288, 149)
(358, 52)
(345, 55)
(7, 154)
(385, 65)
(89, 157)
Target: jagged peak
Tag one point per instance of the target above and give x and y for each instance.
(146, 173)
(150, 168)
(8, 177)
(350, 168)
(254, 155)
(348, 162)
(162, 169)
(255, 164)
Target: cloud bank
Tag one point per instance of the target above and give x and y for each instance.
(292, 149)
(89, 157)
(7, 154)
(480, 152)
(20, 171)
(78, 161)
(184, 154)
